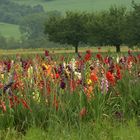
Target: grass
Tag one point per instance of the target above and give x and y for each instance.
(86, 5)
(61, 50)
(9, 30)
(100, 131)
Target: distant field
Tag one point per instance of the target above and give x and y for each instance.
(61, 50)
(9, 30)
(87, 5)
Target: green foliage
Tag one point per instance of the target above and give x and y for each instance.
(70, 29)
(12, 12)
(107, 28)
(133, 26)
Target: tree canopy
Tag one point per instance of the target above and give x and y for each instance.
(70, 29)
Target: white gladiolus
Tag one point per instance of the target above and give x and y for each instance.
(78, 74)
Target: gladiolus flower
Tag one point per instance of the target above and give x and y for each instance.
(24, 103)
(88, 55)
(46, 53)
(62, 85)
(99, 56)
(93, 77)
(110, 77)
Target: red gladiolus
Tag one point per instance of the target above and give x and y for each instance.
(88, 55)
(24, 103)
(11, 102)
(110, 77)
(99, 57)
(130, 59)
(46, 53)
(118, 73)
(57, 75)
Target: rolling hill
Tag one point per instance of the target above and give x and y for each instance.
(9, 30)
(86, 5)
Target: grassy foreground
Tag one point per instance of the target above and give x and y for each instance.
(94, 131)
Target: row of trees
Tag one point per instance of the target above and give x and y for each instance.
(114, 27)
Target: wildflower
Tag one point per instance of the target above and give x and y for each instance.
(46, 53)
(93, 77)
(88, 91)
(62, 85)
(89, 82)
(99, 57)
(118, 73)
(2, 76)
(73, 64)
(104, 85)
(88, 55)
(24, 103)
(78, 74)
(129, 52)
(110, 77)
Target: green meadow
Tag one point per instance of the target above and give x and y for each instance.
(9, 30)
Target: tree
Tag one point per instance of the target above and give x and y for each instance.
(133, 26)
(70, 29)
(107, 28)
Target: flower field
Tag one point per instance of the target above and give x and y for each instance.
(75, 91)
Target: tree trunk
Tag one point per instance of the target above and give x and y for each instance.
(118, 49)
(76, 48)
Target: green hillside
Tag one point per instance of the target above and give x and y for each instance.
(87, 5)
(9, 30)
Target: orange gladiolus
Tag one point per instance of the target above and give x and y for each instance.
(93, 77)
